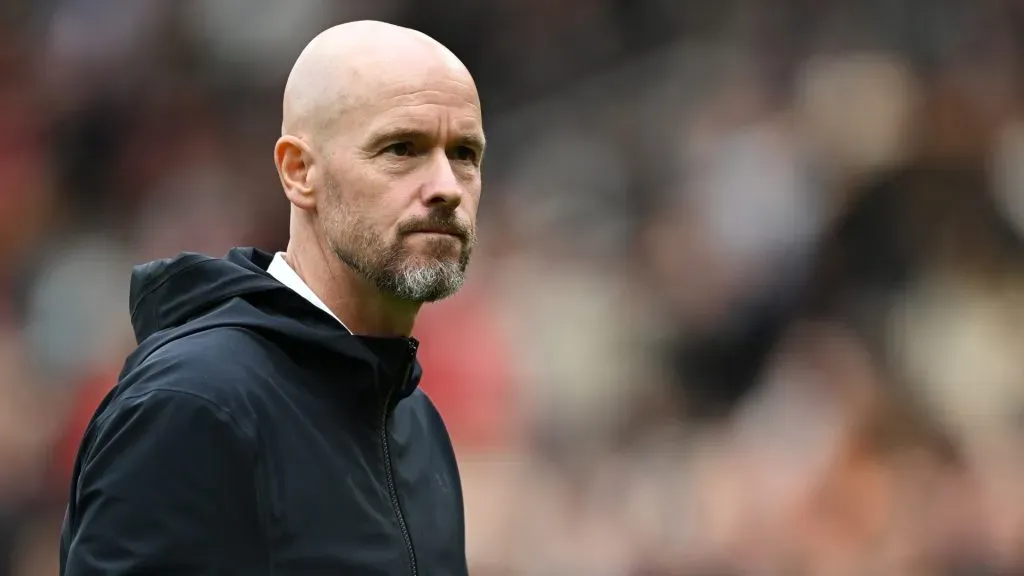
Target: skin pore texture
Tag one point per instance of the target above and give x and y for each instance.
(380, 157)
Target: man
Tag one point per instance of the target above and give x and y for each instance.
(269, 421)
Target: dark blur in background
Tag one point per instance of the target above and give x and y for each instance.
(749, 298)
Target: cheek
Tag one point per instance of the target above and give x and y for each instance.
(471, 188)
(472, 201)
(365, 218)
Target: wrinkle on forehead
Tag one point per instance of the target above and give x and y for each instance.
(356, 63)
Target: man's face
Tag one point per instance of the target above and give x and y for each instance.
(401, 186)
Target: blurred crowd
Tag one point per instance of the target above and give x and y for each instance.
(749, 298)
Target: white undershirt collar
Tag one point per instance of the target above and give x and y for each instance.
(285, 274)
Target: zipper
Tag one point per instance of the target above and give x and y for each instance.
(388, 465)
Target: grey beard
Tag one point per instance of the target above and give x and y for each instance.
(409, 282)
(429, 283)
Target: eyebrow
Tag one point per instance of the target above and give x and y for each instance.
(475, 141)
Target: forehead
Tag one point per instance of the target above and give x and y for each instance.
(423, 100)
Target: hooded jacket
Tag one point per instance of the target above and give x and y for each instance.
(250, 433)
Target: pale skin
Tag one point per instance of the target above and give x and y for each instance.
(380, 154)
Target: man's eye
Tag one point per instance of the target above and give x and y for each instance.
(465, 154)
(399, 149)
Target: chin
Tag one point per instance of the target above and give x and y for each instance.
(430, 262)
(432, 254)
(435, 242)
(427, 282)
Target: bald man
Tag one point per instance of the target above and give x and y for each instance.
(269, 421)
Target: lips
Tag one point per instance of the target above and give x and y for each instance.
(442, 231)
(446, 225)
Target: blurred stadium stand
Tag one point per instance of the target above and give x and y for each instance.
(749, 297)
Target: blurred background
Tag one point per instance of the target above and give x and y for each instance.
(749, 298)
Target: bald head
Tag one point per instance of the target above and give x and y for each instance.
(349, 64)
(381, 157)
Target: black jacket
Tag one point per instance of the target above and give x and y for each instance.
(251, 434)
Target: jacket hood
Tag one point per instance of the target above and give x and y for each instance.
(168, 293)
(174, 297)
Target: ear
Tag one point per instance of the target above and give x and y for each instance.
(294, 161)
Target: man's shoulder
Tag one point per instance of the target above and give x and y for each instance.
(418, 408)
(419, 401)
(224, 347)
(221, 367)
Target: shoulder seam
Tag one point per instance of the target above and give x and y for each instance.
(233, 421)
(169, 345)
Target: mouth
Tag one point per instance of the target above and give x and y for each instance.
(437, 232)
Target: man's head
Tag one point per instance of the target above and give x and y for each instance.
(382, 142)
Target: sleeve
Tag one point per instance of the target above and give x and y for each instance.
(166, 486)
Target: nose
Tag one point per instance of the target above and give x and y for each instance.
(442, 186)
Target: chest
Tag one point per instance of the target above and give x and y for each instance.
(366, 496)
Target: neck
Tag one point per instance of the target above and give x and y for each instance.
(360, 305)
